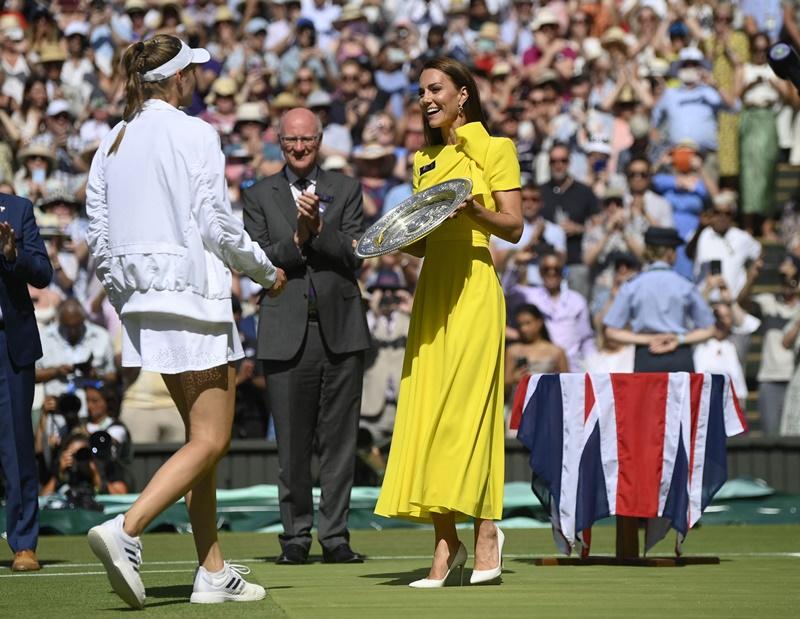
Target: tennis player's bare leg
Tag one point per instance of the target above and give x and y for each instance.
(208, 396)
(444, 527)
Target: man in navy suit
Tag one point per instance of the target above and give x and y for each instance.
(23, 261)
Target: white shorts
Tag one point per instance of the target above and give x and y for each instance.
(170, 344)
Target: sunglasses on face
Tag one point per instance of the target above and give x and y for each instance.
(559, 160)
(638, 174)
(553, 270)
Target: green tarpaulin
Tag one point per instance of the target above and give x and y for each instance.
(739, 501)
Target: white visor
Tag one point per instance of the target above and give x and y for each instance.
(182, 59)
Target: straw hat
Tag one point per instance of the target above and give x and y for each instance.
(285, 101)
(614, 37)
(37, 150)
(350, 13)
(372, 152)
(52, 52)
(250, 113)
(222, 87)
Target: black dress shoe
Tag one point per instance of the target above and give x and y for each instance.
(293, 554)
(341, 554)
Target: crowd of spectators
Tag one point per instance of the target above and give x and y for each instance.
(625, 114)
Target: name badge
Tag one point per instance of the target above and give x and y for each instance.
(427, 168)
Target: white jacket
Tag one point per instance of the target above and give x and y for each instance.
(160, 222)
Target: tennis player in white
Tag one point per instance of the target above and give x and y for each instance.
(162, 232)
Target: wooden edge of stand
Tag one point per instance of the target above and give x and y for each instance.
(637, 562)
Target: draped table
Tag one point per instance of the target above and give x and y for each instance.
(637, 446)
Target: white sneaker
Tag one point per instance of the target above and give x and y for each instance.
(121, 555)
(227, 585)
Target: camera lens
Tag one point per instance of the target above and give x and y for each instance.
(84, 454)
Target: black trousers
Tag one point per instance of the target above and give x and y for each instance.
(17, 457)
(679, 360)
(315, 399)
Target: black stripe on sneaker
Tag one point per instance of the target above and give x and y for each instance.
(231, 582)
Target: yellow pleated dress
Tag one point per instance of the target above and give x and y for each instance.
(447, 450)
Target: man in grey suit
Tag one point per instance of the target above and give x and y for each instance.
(313, 337)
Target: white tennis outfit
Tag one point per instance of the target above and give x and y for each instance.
(162, 232)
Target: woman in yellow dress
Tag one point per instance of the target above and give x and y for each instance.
(446, 460)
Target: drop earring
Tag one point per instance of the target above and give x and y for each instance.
(460, 109)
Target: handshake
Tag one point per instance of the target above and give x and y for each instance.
(280, 282)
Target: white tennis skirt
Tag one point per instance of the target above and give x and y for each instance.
(170, 344)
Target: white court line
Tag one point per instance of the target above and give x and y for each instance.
(40, 574)
(795, 555)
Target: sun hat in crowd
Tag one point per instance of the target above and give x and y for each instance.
(500, 68)
(373, 152)
(334, 163)
(726, 197)
(37, 149)
(285, 101)
(319, 98)
(14, 33)
(79, 28)
(615, 193)
(223, 14)
(489, 30)
(351, 12)
(691, 54)
(250, 112)
(458, 7)
(545, 17)
(58, 195)
(598, 144)
(58, 106)
(135, 6)
(49, 225)
(548, 76)
(614, 37)
(52, 52)
(222, 87)
(256, 25)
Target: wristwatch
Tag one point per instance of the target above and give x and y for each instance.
(681, 339)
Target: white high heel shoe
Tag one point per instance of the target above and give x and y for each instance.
(459, 560)
(481, 576)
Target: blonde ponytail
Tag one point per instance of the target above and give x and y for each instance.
(137, 60)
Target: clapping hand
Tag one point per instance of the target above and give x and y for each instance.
(308, 211)
(8, 244)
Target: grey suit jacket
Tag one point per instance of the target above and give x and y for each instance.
(270, 218)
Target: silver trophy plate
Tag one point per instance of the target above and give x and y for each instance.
(413, 218)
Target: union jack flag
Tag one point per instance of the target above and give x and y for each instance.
(647, 445)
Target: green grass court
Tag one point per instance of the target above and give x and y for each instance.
(759, 577)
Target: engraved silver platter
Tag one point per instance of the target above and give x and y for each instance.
(413, 218)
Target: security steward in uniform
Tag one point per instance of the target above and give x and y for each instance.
(659, 311)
